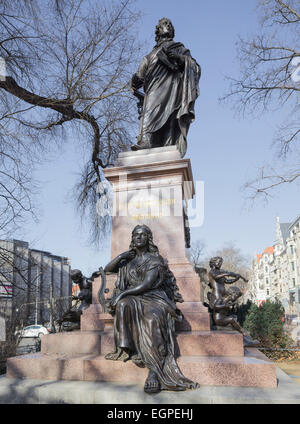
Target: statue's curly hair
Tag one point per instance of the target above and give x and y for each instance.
(75, 273)
(151, 246)
(214, 260)
(171, 32)
(234, 292)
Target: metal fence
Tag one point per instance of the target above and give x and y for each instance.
(280, 349)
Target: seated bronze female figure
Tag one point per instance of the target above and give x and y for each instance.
(144, 309)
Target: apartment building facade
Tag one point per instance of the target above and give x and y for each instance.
(276, 271)
(30, 277)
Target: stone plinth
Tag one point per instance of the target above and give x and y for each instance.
(150, 189)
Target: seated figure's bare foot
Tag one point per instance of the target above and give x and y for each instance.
(121, 354)
(152, 384)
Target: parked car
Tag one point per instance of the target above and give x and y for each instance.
(32, 331)
(51, 329)
(295, 321)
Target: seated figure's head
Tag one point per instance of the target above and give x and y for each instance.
(141, 237)
(233, 293)
(76, 275)
(216, 262)
(164, 29)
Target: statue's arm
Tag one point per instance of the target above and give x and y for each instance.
(138, 78)
(219, 307)
(233, 275)
(222, 275)
(232, 280)
(143, 287)
(230, 277)
(113, 266)
(150, 278)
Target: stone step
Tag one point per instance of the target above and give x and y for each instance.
(72, 343)
(253, 370)
(210, 343)
(203, 343)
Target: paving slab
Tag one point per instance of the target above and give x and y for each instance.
(26, 391)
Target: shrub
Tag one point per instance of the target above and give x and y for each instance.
(265, 324)
(242, 311)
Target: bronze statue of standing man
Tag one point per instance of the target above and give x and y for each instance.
(169, 77)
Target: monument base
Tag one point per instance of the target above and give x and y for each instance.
(250, 370)
(216, 358)
(208, 357)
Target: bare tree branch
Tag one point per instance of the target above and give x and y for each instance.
(68, 66)
(267, 81)
(267, 180)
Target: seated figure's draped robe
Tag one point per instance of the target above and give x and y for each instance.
(144, 323)
(168, 92)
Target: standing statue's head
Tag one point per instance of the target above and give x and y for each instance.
(141, 237)
(216, 262)
(164, 29)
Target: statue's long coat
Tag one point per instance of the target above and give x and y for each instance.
(167, 91)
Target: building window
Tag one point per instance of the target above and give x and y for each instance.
(267, 281)
(293, 266)
(266, 268)
(292, 250)
(268, 292)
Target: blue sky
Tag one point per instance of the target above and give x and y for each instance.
(225, 150)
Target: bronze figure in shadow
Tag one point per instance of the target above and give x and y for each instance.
(169, 77)
(84, 299)
(222, 301)
(144, 309)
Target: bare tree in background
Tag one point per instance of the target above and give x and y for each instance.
(270, 79)
(68, 63)
(197, 252)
